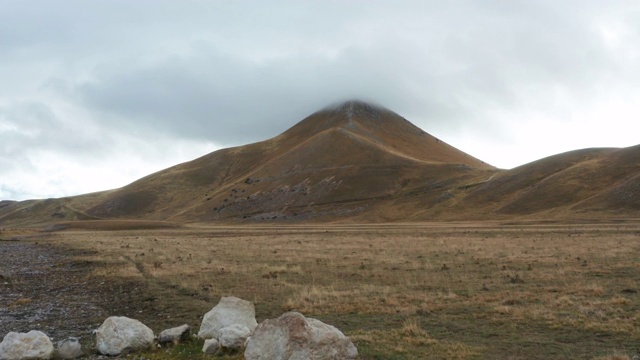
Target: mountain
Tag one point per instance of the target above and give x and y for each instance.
(355, 162)
(338, 162)
(325, 166)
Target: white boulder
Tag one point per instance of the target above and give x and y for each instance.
(233, 337)
(120, 334)
(69, 348)
(33, 345)
(175, 335)
(210, 346)
(229, 311)
(294, 337)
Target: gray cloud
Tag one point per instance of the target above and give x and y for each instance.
(444, 68)
(222, 98)
(80, 78)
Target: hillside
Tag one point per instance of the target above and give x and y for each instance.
(361, 163)
(590, 183)
(338, 162)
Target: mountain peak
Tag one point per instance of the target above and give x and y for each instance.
(355, 106)
(360, 121)
(350, 114)
(351, 109)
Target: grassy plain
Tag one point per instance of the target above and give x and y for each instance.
(402, 291)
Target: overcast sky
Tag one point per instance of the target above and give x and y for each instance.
(96, 94)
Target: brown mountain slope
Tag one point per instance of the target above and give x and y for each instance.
(357, 162)
(338, 162)
(385, 128)
(598, 181)
(324, 166)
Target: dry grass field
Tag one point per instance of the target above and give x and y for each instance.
(428, 291)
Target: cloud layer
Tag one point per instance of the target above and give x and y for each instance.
(97, 94)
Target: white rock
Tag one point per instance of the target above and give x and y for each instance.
(120, 334)
(33, 345)
(229, 311)
(69, 348)
(210, 346)
(233, 337)
(294, 337)
(175, 335)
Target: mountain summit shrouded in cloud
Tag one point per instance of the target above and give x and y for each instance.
(354, 162)
(122, 89)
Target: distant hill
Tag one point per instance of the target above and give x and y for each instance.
(589, 181)
(355, 162)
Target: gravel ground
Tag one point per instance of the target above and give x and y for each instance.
(49, 288)
(42, 288)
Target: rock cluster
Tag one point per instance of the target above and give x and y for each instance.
(230, 326)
